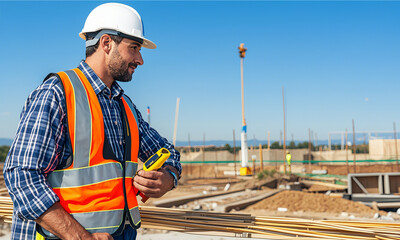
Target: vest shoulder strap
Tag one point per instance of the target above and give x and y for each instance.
(133, 108)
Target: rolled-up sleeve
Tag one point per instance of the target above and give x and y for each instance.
(151, 141)
(36, 151)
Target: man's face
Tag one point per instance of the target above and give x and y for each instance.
(125, 57)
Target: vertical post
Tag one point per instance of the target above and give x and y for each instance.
(234, 151)
(284, 132)
(148, 115)
(204, 153)
(309, 151)
(190, 154)
(253, 158)
(216, 163)
(280, 138)
(347, 155)
(244, 170)
(176, 120)
(354, 148)
(395, 146)
(342, 144)
(329, 142)
(261, 158)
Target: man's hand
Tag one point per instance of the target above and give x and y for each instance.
(101, 236)
(63, 225)
(154, 183)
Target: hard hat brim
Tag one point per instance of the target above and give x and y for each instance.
(146, 42)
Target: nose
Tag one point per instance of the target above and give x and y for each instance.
(139, 59)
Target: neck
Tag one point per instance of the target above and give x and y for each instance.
(100, 70)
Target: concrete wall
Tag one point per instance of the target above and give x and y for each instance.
(380, 149)
(275, 155)
(338, 155)
(268, 155)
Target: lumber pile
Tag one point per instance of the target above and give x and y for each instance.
(6, 209)
(264, 227)
(246, 225)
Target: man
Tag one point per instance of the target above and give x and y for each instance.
(289, 160)
(71, 168)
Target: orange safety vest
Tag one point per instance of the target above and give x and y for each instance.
(94, 187)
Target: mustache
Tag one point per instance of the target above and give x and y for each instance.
(134, 65)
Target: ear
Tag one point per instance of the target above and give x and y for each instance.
(105, 43)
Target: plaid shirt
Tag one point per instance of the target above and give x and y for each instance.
(40, 146)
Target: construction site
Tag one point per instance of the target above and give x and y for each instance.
(308, 199)
(336, 62)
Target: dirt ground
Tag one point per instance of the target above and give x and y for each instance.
(295, 201)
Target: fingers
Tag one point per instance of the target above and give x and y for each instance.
(149, 174)
(102, 236)
(153, 183)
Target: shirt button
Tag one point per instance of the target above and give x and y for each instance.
(116, 123)
(120, 142)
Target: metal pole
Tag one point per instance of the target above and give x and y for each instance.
(234, 151)
(261, 158)
(354, 148)
(176, 120)
(242, 89)
(190, 154)
(284, 132)
(244, 170)
(329, 142)
(395, 144)
(204, 152)
(347, 155)
(309, 150)
(216, 163)
(253, 159)
(148, 115)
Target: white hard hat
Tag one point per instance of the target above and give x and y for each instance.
(117, 19)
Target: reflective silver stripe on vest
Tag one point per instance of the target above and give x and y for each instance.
(77, 177)
(135, 215)
(83, 122)
(105, 221)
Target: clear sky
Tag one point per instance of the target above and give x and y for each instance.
(336, 61)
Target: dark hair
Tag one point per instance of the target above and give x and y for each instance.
(92, 49)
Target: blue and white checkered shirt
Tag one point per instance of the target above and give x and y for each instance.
(40, 146)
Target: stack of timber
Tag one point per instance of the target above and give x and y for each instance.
(245, 225)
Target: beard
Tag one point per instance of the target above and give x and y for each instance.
(119, 68)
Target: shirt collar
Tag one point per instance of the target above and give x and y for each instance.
(98, 85)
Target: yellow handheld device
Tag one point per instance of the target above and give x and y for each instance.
(153, 164)
(156, 160)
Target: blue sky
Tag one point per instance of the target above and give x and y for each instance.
(336, 60)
